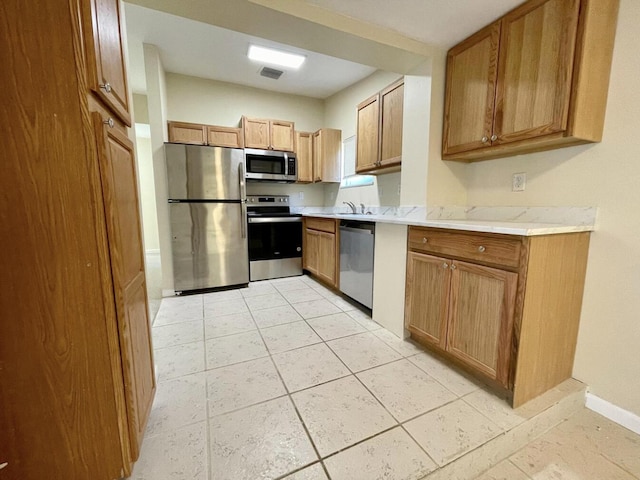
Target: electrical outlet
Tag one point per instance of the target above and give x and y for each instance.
(518, 182)
(301, 195)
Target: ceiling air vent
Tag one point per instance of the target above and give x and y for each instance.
(271, 73)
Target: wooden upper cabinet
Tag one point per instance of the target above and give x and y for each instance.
(106, 71)
(192, 133)
(327, 147)
(550, 87)
(368, 134)
(304, 152)
(535, 69)
(481, 318)
(282, 135)
(224, 136)
(268, 134)
(472, 69)
(392, 109)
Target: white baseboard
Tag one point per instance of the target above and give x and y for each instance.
(152, 251)
(614, 413)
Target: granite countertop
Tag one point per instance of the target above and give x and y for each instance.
(520, 228)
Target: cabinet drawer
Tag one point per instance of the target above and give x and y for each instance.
(482, 248)
(322, 224)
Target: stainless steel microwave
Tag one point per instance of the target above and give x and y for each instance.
(270, 166)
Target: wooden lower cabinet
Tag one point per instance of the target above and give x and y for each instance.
(320, 255)
(514, 325)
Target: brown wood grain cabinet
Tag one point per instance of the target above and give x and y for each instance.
(77, 367)
(304, 153)
(505, 308)
(199, 134)
(268, 134)
(320, 250)
(380, 124)
(327, 157)
(535, 80)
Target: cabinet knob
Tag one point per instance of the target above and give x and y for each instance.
(494, 138)
(3, 465)
(109, 122)
(481, 249)
(453, 267)
(445, 265)
(485, 139)
(424, 240)
(106, 87)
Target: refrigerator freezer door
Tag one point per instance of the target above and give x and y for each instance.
(209, 245)
(204, 173)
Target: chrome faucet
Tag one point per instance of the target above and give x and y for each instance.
(362, 208)
(352, 206)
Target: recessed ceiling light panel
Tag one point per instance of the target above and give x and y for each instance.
(275, 57)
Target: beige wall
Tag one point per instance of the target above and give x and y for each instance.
(147, 190)
(141, 108)
(192, 99)
(603, 175)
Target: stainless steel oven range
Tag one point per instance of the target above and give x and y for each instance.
(275, 237)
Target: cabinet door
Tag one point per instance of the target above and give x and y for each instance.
(331, 150)
(427, 297)
(391, 103)
(367, 138)
(224, 136)
(535, 69)
(282, 135)
(318, 154)
(310, 250)
(192, 133)
(327, 257)
(304, 152)
(256, 133)
(481, 318)
(119, 185)
(105, 55)
(470, 91)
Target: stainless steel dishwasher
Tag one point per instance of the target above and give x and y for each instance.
(357, 240)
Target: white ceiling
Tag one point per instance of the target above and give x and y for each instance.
(435, 22)
(201, 50)
(192, 41)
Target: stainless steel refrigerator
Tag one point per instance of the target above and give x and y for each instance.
(208, 216)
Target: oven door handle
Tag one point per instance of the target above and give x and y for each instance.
(275, 219)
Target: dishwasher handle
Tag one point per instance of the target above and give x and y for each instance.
(363, 231)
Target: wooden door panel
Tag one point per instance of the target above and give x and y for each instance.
(192, 133)
(224, 137)
(317, 156)
(310, 250)
(304, 152)
(471, 87)
(282, 135)
(119, 187)
(391, 103)
(256, 133)
(427, 296)
(106, 64)
(481, 318)
(368, 134)
(327, 257)
(535, 69)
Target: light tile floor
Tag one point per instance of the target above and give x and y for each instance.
(286, 380)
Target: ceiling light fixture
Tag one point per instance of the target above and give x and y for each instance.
(275, 57)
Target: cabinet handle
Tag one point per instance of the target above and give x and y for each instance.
(481, 249)
(3, 465)
(106, 87)
(445, 265)
(453, 267)
(424, 240)
(494, 138)
(485, 139)
(109, 122)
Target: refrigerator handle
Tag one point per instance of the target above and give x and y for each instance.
(243, 200)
